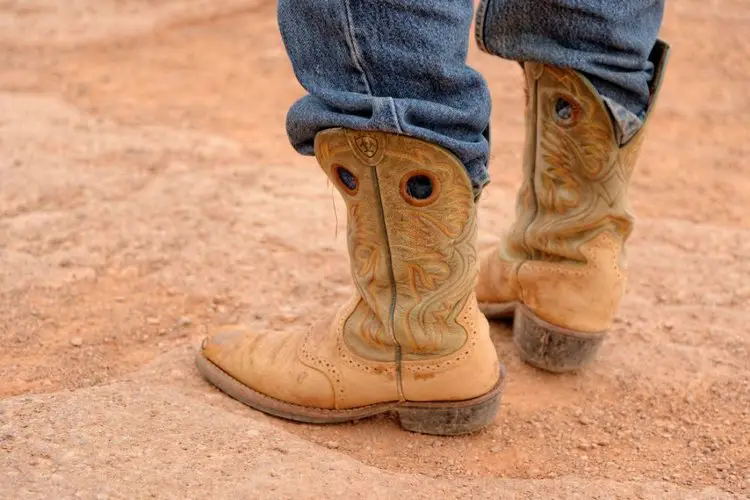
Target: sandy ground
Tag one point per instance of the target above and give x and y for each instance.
(148, 193)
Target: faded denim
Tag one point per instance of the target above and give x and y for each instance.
(609, 41)
(399, 66)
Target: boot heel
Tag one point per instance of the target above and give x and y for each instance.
(449, 418)
(551, 347)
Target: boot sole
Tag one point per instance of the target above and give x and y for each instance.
(448, 418)
(550, 347)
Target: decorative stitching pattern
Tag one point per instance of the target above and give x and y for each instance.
(432, 251)
(572, 208)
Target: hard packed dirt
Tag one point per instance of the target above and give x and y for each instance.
(148, 193)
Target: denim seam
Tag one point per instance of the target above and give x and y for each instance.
(354, 50)
(479, 23)
(392, 103)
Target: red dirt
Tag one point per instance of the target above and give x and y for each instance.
(148, 193)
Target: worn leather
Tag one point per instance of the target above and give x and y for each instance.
(564, 256)
(412, 331)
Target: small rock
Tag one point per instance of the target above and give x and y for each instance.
(76, 341)
(584, 420)
(583, 445)
(332, 445)
(152, 321)
(163, 331)
(184, 321)
(495, 449)
(120, 299)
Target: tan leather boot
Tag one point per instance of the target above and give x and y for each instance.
(411, 339)
(561, 267)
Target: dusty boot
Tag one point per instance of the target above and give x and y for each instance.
(561, 267)
(411, 340)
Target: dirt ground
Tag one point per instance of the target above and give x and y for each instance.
(148, 193)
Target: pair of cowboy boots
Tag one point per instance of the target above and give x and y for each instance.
(413, 338)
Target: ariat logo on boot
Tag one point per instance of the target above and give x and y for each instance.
(367, 145)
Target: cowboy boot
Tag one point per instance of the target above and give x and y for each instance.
(561, 267)
(411, 339)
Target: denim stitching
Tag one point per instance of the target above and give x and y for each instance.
(392, 103)
(479, 25)
(356, 57)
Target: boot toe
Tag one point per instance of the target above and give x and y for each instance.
(268, 363)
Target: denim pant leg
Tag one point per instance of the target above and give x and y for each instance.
(609, 41)
(391, 65)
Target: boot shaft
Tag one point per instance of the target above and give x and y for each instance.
(412, 242)
(576, 173)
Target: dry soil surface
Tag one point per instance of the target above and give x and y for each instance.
(148, 194)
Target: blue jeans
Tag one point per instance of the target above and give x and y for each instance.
(399, 66)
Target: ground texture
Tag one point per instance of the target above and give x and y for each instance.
(148, 194)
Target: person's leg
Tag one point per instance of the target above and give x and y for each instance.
(395, 66)
(411, 339)
(593, 69)
(607, 41)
